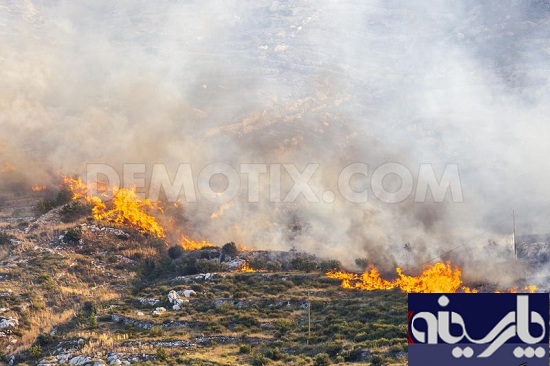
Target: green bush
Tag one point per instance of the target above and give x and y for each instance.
(73, 235)
(161, 354)
(230, 249)
(175, 252)
(322, 359)
(329, 265)
(35, 351)
(245, 349)
(274, 354)
(260, 360)
(74, 210)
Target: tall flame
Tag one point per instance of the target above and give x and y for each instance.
(126, 207)
(439, 277)
(246, 268)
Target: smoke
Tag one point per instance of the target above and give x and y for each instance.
(275, 82)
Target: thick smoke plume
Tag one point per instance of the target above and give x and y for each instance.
(276, 82)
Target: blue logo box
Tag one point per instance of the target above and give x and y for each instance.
(478, 329)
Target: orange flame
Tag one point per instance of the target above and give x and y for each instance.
(242, 248)
(38, 188)
(7, 167)
(439, 277)
(246, 268)
(188, 244)
(126, 207)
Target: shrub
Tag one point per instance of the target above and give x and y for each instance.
(275, 354)
(245, 349)
(63, 197)
(73, 235)
(260, 360)
(45, 339)
(44, 206)
(35, 351)
(230, 249)
(329, 265)
(274, 266)
(161, 354)
(175, 252)
(5, 238)
(303, 265)
(322, 359)
(74, 210)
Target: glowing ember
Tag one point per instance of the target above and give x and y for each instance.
(7, 167)
(188, 244)
(125, 207)
(440, 277)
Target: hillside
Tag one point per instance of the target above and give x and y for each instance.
(73, 290)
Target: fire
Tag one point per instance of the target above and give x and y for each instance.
(128, 208)
(125, 207)
(439, 277)
(38, 188)
(7, 167)
(188, 244)
(242, 248)
(246, 268)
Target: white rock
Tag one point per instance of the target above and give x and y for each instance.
(188, 293)
(173, 297)
(176, 307)
(79, 360)
(140, 313)
(159, 311)
(8, 322)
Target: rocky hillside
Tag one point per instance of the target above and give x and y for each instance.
(76, 291)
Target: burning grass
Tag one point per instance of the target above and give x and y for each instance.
(125, 207)
(437, 278)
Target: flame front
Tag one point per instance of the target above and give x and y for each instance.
(439, 277)
(188, 244)
(126, 207)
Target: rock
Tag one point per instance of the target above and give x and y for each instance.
(79, 360)
(173, 297)
(8, 322)
(176, 308)
(188, 293)
(140, 313)
(148, 301)
(159, 311)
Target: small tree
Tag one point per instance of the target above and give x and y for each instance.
(230, 249)
(175, 252)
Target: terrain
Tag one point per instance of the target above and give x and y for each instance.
(84, 292)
